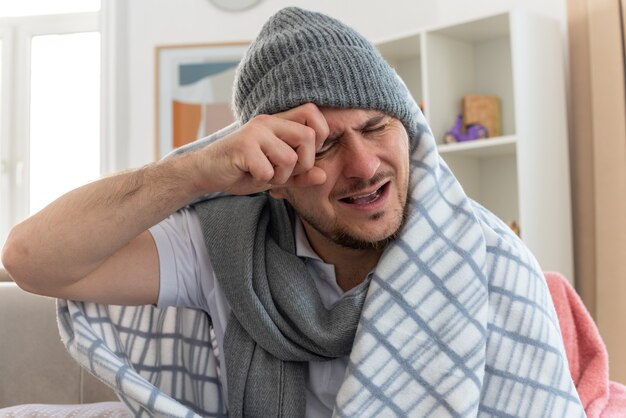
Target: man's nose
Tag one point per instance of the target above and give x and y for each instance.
(360, 160)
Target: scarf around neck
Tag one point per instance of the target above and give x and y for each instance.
(278, 322)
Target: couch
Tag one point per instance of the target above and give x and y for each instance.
(35, 368)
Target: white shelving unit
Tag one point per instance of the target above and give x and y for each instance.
(522, 176)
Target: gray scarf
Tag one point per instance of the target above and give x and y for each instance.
(278, 322)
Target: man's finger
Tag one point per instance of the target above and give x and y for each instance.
(309, 115)
(313, 177)
(277, 134)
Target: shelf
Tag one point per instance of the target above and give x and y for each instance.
(481, 148)
(515, 56)
(400, 49)
(478, 30)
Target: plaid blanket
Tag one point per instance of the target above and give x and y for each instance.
(457, 322)
(159, 361)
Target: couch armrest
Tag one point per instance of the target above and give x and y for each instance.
(4, 276)
(34, 365)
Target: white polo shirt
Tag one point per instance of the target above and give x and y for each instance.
(188, 280)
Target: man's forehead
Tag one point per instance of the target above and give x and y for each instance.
(349, 110)
(350, 116)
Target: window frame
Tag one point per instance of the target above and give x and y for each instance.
(7, 162)
(16, 34)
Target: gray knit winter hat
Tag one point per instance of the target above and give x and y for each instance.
(301, 56)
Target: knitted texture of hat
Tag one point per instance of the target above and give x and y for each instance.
(301, 56)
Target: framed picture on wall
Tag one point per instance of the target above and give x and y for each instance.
(193, 91)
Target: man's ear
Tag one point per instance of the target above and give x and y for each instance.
(278, 193)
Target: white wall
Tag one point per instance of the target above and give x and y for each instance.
(141, 25)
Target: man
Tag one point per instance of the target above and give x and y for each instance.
(362, 225)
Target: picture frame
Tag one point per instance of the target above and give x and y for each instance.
(193, 91)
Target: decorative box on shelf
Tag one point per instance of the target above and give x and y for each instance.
(482, 110)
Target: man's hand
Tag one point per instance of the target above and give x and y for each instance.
(269, 150)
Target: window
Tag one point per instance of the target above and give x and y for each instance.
(64, 115)
(49, 103)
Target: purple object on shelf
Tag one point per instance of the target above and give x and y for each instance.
(472, 131)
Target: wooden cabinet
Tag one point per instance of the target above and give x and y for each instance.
(523, 174)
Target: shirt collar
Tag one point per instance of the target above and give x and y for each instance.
(304, 250)
(303, 247)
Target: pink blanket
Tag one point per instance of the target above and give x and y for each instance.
(586, 353)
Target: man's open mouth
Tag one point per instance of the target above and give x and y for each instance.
(365, 199)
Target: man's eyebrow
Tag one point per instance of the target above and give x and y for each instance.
(374, 120)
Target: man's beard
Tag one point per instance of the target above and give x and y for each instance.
(344, 238)
(347, 240)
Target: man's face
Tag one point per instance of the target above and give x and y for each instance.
(362, 204)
